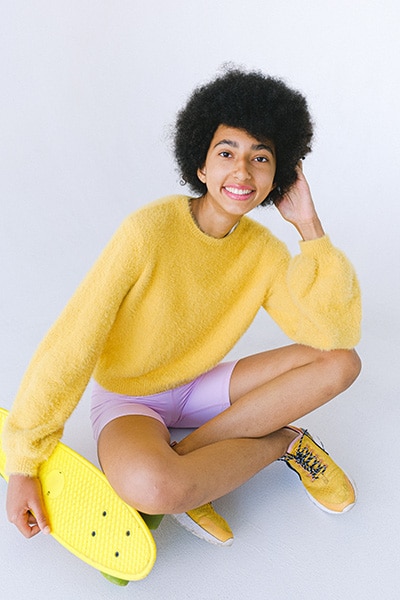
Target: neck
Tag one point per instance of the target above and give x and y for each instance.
(211, 222)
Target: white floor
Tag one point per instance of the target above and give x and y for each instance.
(284, 546)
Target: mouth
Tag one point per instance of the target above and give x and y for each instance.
(238, 192)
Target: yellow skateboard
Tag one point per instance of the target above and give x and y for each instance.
(90, 520)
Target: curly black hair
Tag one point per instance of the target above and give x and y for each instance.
(263, 106)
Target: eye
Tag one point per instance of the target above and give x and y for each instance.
(261, 159)
(225, 154)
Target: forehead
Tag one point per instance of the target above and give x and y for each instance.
(239, 138)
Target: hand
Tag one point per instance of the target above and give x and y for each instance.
(25, 507)
(297, 207)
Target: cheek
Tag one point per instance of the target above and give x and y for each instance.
(215, 174)
(267, 181)
(271, 178)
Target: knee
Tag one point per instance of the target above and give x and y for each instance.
(345, 366)
(154, 491)
(351, 366)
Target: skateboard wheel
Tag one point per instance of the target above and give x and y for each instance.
(152, 521)
(115, 580)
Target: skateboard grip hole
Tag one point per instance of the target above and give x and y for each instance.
(104, 513)
(116, 554)
(93, 534)
(128, 533)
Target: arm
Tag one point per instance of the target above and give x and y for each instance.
(63, 364)
(58, 375)
(315, 296)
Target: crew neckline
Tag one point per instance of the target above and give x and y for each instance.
(203, 234)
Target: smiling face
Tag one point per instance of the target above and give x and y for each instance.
(239, 171)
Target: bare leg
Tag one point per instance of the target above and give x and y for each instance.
(272, 389)
(268, 391)
(148, 474)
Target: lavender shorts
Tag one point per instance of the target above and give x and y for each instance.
(189, 405)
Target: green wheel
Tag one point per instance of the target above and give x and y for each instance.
(152, 521)
(115, 580)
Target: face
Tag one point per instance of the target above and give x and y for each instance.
(239, 171)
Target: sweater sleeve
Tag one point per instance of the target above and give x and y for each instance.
(315, 297)
(64, 361)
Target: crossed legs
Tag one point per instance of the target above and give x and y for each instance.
(267, 391)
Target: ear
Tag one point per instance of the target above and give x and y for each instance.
(201, 174)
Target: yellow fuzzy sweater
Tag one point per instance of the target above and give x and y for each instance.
(165, 303)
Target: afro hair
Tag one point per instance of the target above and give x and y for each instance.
(263, 106)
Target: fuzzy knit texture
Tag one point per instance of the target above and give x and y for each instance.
(164, 303)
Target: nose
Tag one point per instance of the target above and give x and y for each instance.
(242, 172)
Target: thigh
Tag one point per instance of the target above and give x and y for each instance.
(256, 370)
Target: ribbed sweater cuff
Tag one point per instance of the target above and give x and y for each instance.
(315, 247)
(22, 467)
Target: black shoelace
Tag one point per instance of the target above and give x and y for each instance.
(307, 460)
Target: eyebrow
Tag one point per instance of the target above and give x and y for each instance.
(255, 147)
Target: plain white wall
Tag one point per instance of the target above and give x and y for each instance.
(89, 90)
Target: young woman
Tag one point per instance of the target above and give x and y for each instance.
(177, 286)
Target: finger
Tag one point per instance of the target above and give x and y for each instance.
(29, 524)
(37, 509)
(26, 524)
(39, 519)
(25, 506)
(31, 519)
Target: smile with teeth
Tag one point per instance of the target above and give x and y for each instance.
(239, 191)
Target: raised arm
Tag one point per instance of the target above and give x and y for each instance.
(297, 207)
(316, 296)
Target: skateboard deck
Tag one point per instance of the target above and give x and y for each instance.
(88, 517)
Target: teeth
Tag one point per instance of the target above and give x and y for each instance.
(239, 192)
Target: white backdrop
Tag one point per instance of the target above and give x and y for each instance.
(88, 94)
(89, 90)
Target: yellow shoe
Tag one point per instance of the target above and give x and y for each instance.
(206, 524)
(326, 484)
